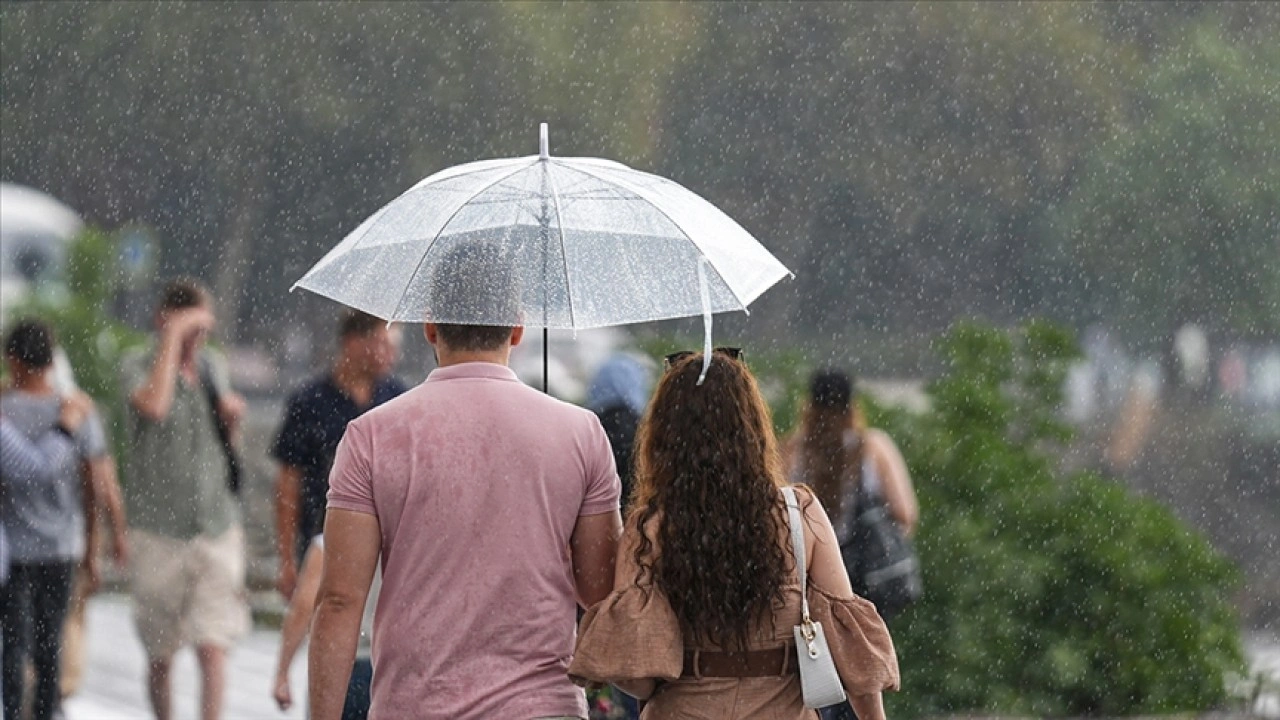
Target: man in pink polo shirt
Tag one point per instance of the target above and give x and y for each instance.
(493, 507)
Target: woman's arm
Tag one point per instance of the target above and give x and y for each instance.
(895, 481)
(868, 707)
(297, 620)
(826, 566)
(625, 574)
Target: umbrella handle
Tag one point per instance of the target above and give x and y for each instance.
(705, 292)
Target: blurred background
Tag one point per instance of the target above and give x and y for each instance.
(926, 169)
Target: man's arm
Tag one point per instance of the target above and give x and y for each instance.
(594, 547)
(90, 510)
(106, 489)
(288, 497)
(296, 622)
(154, 397)
(353, 542)
(25, 461)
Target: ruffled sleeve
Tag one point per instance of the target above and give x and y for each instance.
(858, 640)
(630, 635)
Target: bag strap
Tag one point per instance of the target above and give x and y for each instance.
(220, 426)
(797, 547)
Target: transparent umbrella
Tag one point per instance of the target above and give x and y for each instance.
(546, 242)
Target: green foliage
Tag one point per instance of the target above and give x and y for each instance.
(901, 157)
(83, 326)
(1046, 595)
(1173, 220)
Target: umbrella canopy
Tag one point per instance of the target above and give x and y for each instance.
(545, 242)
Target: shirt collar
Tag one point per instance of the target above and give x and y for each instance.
(473, 370)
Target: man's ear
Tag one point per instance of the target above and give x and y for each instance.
(431, 333)
(517, 334)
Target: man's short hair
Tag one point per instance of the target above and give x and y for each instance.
(183, 293)
(357, 323)
(30, 342)
(475, 297)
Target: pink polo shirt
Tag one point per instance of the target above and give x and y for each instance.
(477, 482)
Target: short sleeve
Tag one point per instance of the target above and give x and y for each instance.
(218, 371)
(291, 446)
(859, 642)
(604, 487)
(91, 438)
(351, 480)
(133, 371)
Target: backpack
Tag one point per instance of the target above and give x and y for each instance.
(879, 557)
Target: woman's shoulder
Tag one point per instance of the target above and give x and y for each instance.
(877, 438)
(807, 499)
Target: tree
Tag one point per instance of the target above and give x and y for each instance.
(1046, 594)
(1174, 219)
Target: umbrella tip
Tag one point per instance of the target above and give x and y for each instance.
(544, 146)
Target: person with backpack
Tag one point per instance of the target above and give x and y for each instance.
(187, 567)
(835, 450)
(861, 479)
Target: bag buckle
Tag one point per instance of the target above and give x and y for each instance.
(810, 634)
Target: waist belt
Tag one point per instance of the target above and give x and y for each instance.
(752, 663)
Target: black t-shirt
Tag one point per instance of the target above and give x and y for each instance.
(314, 421)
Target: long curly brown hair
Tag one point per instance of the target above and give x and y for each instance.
(707, 466)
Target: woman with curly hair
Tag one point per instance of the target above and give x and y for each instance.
(706, 595)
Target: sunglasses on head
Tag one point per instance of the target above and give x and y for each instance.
(733, 353)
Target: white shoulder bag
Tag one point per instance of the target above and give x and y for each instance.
(819, 681)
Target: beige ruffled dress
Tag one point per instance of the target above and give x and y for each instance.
(634, 635)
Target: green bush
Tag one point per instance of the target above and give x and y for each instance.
(80, 317)
(1045, 594)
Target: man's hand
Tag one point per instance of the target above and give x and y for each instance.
(76, 407)
(282, 693)
(182, 324)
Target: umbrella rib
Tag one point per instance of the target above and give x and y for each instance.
(630, 187)
(427, 251)
(564, 256)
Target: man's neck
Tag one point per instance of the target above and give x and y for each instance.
(35, 383)
(446, 357)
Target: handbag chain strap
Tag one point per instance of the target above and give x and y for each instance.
(797, 547)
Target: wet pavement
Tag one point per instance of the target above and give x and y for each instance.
(113, 686)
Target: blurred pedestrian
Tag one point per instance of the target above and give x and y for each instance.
(297, 621)
(315, 418)
(837, 455)
(617, 395)
(834, 450)
(491, 506)
(110, 502)
(27, 464)
(188, 562)
(707, 591)
(47, 525)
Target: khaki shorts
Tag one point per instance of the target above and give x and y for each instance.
(188, 591)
